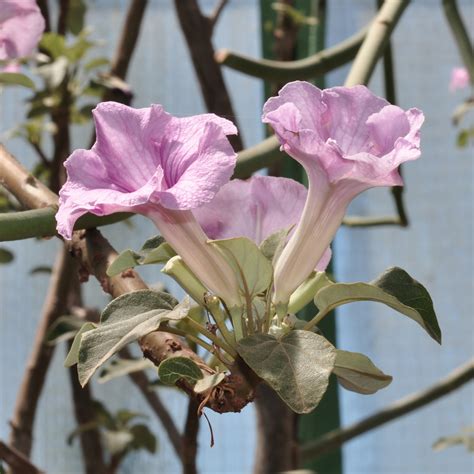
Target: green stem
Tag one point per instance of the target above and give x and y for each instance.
(212, 337)
(214, 307)
(192, 338)
(285, 71)
(41, 223)
(318, 318)
(236, 318)
(460, 35)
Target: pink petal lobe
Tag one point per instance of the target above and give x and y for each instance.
(197, 160)
(21, 27)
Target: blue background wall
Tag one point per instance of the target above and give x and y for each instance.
(437, 249)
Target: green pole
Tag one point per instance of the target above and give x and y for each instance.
(310, 40)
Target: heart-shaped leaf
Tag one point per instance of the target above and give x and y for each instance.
(357, 373)
(73, 355)
(297, 366)
(124, 320)
(252, 268)
(395, 288)
(177, 368)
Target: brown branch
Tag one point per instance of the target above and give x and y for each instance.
(44, 9)
(35, 374)
(197, 32)
(190, 443)
(336, 438)
(215, 15)
(62, 18)
(84, 410)
(18, 463)
(276, 422)
(41, 155)
(123, 55)
(129, 38)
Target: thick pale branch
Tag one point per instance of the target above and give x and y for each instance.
(375, 42)
(284, 71)
(337, 438)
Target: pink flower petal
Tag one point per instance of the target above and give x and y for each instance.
(21, 27)
(459, 79)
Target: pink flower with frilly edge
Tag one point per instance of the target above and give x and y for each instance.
(348, 140)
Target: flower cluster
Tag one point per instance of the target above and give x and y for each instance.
(176, 171)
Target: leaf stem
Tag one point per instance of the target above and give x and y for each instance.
(192, 338)
(212, 337)
(214, 307)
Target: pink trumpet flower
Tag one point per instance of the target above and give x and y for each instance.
(149, 162)
(348, 140)
(255, 208)
(21, 27)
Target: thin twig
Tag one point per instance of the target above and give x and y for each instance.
(215, 15)
(44, 9)
(82, 398)
(62, 18)
(141, 381)
(190, 443)
(197, 32)
(17, 461)
(41, 154)
(337, 438)
(461, 35)
(34, 377)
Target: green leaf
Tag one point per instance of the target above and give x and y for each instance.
(143, 438)
(253, 269)
(16, 79)
(54, 73)
(63, 329)
(463, 138)
(208, 382)
(95, 63)
(125, 260)
(176, 368)
(73, 355)
(53, 44)
(297, 366)
(394, 288)
(123, 417)
(120, 367)
(124, 320)
(117, 441)
(5, 256)
(154, 250)
(357, 373)
(40, 270)
(75, 16)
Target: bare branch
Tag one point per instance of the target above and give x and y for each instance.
(190, 444)
(337, 438)
(34, 377)
(196, 30)
(62, 18)
(214, 16)
(17, 462)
